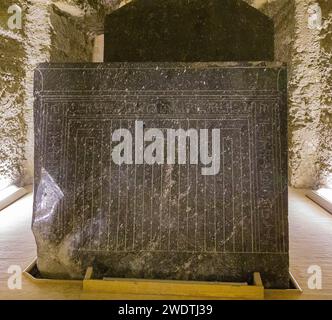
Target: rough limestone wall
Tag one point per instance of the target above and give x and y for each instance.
(12, 123)
(325, 127)
(37, 47)
(52, 31)
(55, 35)
(305, 91)
(310, 99)
(308, 54)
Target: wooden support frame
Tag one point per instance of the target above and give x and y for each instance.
(199, 289)
(169, 288)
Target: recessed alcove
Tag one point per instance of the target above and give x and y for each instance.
(182, 31)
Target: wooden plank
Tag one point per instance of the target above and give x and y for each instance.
(179, 288)
(89, 273)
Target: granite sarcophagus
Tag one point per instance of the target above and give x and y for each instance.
(169, 171)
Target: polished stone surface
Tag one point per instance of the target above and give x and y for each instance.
(188, 31)
(161, 220)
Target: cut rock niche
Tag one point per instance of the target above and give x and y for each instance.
(188, 31)
(96, 205)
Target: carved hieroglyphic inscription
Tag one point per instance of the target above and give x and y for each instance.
(137, 219)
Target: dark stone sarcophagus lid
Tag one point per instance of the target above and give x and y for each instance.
(164, 219)
(188, 31)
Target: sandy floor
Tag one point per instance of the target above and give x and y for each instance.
(310, 244)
